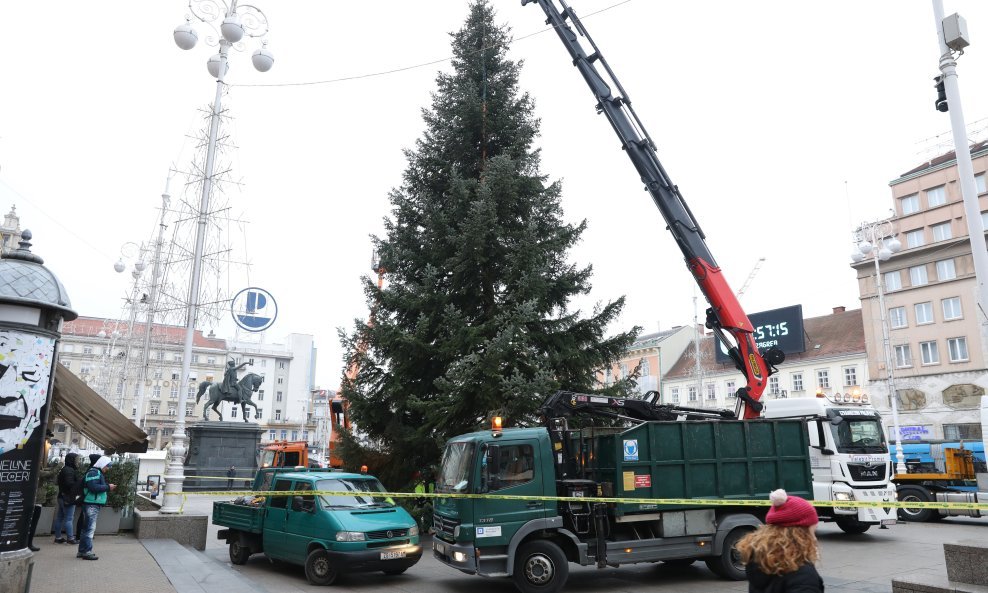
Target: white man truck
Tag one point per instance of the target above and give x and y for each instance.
(849, 457)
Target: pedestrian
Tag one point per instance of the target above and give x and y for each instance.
(363, 469)
(95, 499)
(779, 556)
(230, 474)
(69, 489)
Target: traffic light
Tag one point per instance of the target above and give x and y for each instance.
(941, 102)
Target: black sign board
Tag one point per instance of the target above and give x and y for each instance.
(782, 328)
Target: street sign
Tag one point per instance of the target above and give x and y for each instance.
(782, 328)
(254, 309)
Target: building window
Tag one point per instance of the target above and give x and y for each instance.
(67, 364)
(893, 281)
(260, 395)
(85, 369)
(87, 349)
(951, 308)
(152, 431)
(195, 359)
(305, 435)
(264, 362)
(281, 364)
(936, 196)
(918, 276)
(192, 391)
(607, 376)
(958, 349)
(281, 380)
(711, 391)
(66, 348)
(945, 270)
(730, 389)
(157, 373)
(174, 391)
(133, 411)
(188, 411)
(294, 435)
(177, 357)
(924, 313)
(941, 232)
(156, 391)
(692, 395)
(159, 355)
(277, 414)
(284, 435)
(850, 376)
(797, 381)
(675, 395)
(897, 317)
(915, 238)
(928, 352)
(250, 361)
(277, 396)
(259, 414)
(903, 357)
(233, 412)
(910, 204)
(773, 385)
(272, 435)
(172, 411)
(979, 182)
(967, 432)
(210, 360)
(153, 409)
(646, 369)
(137, 388)
(823, 378)
(624, 370)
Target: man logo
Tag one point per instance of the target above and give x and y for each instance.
(254, 309)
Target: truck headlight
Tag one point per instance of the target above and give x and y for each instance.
(459, 557)
(350, 536)
(843, 496)
(413, 530)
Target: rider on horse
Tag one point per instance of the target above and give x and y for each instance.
(229, 386)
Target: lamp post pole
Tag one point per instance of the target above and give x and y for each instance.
(247, 21)
(877, 240)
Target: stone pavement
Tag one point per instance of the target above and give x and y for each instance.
(131, 566)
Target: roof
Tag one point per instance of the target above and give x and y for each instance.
(653, 339)
(24, 280)
(90, 327)
(943, 159)
(87, 411)
(823, 337)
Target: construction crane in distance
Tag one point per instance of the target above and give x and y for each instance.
(751, 276)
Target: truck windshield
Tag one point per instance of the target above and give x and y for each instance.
(365, 493)
(267, 458)
(861, 434)
(454, 475)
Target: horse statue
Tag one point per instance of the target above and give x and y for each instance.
(242, 395)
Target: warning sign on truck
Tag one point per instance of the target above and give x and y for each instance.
(643, 481)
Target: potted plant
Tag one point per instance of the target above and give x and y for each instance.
(47, 497)
(119, 510)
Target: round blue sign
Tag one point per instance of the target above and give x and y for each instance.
(254, 309)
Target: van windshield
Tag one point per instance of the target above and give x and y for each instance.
(454, 474)
(364, 493)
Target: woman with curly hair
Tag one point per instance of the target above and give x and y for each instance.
(779, 556)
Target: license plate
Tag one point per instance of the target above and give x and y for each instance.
(439, 547)
(888, 522)
(392, 555)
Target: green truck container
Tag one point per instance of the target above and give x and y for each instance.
(328, 534)
(708, 463)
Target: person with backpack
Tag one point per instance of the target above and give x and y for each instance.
(69, 492)
(96, 490)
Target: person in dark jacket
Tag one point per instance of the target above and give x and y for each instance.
(69, 487)
(779, 556)
(96, 490)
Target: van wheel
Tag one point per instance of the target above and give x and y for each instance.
(239, 553)
(319, 568)
(852, 526)
(540, 567)
(728, 564)
(915, 494)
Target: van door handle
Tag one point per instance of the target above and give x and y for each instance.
(534, 504)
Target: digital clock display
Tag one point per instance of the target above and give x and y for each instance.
(782, 328)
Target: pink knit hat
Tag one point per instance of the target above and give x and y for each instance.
(790, 511)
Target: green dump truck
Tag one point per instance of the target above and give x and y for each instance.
(329, 535)
(709, 462)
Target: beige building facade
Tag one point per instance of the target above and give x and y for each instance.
(936, 334)
(653, 355)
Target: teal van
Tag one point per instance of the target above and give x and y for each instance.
(360, 531)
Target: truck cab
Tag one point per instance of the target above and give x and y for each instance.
(849, 456)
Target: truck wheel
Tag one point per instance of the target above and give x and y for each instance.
(852, 526)
(540, 567)
(319, 569)
(729, 565)
(239, 553)
(915, 494)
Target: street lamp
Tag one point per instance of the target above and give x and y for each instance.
(877, 241)
(235, 23)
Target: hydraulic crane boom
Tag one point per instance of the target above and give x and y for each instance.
(725, 315)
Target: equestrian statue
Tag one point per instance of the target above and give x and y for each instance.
(230, 390)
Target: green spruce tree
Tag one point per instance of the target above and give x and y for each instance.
(474, 318)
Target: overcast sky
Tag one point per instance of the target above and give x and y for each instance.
(781, 122)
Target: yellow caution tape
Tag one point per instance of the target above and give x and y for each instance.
(609, 500)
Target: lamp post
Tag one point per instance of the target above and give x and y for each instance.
(877, 241)
(235, 23)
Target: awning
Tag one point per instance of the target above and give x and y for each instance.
(87, 411)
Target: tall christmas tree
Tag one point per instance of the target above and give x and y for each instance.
(474, 318)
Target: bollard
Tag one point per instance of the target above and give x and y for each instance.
(33, 305)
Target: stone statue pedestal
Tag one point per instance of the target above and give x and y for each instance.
(214, 447)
